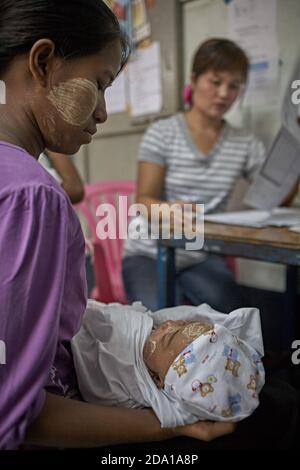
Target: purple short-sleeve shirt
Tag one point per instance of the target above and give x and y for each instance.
(42, 291)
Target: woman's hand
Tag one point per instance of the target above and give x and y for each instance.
(180, 216)
(205, 430)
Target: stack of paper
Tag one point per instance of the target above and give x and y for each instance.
(278, 217)
(296, 229)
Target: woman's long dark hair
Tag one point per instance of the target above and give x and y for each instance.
(77, 27)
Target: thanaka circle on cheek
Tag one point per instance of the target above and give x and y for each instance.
(75, 100)
(194, 330)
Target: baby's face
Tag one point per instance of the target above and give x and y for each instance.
(166, 342)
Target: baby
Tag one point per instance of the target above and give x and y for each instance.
(205, 367)
(200, 365)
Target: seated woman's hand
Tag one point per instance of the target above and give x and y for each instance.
(179, 216)
(205, 430)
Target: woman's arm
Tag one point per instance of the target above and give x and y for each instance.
(70, 424)
(71, 180)
(150, 185)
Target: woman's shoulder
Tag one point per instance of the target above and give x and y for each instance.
(165, 124)
(164, 130)
(20, 171)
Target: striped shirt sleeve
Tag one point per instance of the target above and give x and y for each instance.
(154, 145)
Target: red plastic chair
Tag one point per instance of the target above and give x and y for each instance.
(107, 253)
(231, 263)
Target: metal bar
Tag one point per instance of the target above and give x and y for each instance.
(166, 276)
(290, 307)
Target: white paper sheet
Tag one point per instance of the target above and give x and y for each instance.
(145, 81)
(252, 24)
(141, 25)
(278, 217)
(295, 228)
(116, 96)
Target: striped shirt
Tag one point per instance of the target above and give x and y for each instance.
(193, 176)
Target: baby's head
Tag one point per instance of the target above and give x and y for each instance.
(205, 367)
(166, 342)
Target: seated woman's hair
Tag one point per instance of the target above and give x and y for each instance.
(220, 55)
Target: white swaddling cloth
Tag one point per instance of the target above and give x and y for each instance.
(108, 356)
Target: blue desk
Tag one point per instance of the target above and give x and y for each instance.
(277, 245)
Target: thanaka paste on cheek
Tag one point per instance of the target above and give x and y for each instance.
(194, 330)
(75, 100)
(151, 347)
(172, 328)
(49, 124)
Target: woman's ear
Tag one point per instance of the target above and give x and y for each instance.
(41, 58)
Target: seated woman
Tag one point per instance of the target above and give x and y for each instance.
(195, 157)
(203, 365)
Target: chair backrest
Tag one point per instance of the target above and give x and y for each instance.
(103, 199)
